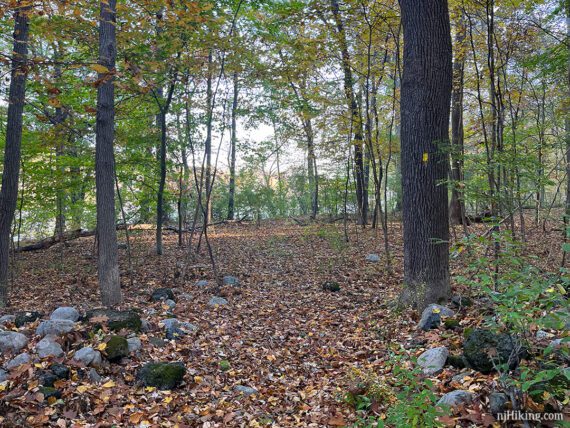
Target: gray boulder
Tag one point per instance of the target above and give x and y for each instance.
(456, 398)
(231, 280)
(65, 313)
(162, 294)
(11, 341)
(217, 301)
(373, 258)
(49, 346)
(170, 303)
(202, 283)
(175, 328)
(94, 377)
(3, 375)
(431, 316)
(55, 327)
(433, 360)
(88, 356)
(135, 344)
(498, 403)
(7, 318)
(246, 390)
(18, 360)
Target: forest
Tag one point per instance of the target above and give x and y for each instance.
(285, 213)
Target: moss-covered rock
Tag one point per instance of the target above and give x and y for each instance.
(484, 350)
(331, 286)
(456, 361)
(451, 323)
(117, 348)
(161, 375)
(49, 392)
(224, 365)
(26, 317)
(115, 320)
(162, 294)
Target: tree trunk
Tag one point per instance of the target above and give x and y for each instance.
(108, 263)
(425, 101)
(457, 205)
(11, 172)
(162, 182)
(355, 118)
(232, 189)
(208, 143)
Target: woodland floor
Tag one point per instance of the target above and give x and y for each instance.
(281, 332)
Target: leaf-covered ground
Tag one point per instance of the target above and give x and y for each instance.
(281, 333)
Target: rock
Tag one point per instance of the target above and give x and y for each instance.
(117, 348)
(7, 319)
(48, 346)
(460, 377)
(47, 378)
(122, 246)
(88, 356)
(115, 320)
(559, 343)
(217, 301)
(497, 403)
(65, 313)
(541, 334)
(49, 392)
(135, 344)
(433, 360)
(224, 365)
(3, 375)
(246, 390)
(456, 398)
(170, 303)
(451, 323)
(94, 377)
(18, 360)
(162, 294)
(157, 341)
(431, 316)
(11, 341)
(54, 327)
(161, 375)
(145, 326)
(484, 350)
(60, 370)
(22, 318)
(373, 258)
(175, 328)
(231, 280)
(461, 301)
(202, 283)
(331, 286)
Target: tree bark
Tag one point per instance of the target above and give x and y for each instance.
(425, 102)
(12, 150)
(232, 189)
(108, 263)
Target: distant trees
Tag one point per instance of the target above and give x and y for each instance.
(425, 102)
(12, 149)
(108, 262)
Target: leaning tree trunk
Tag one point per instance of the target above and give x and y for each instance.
(108, 261)
(425, 101)
(11, 172)
(232, 189)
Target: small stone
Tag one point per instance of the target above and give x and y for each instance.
(175, 328)
(157, 342)
(498, 403)
(559, 343)
(55, 327)
(60, 370)
(202, 283)
(48, 346)
(170, 303)
(246, 390)
(433, 360)
(22, 318)
(7, 319)
(94, 377)
(217, 301)
(88, 356)
(65, 313)
(164, 376)
(49, 392)
(373, 258)
(135, 344)
(117, 348)
(18, 360)
(460, 377)
(541, 334)
(11, 341)
(224, 365)
(451, 323)
(456, 398)
(3, 375)
(461, 301)
(145, 326)
(231, 280)
(162, 294)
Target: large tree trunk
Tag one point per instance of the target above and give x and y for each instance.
(11, 172)
(425, 100)
(208, 142)
(232, 189)
(457, 205)
(162, 182)
(355, 118)
(108, 263)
